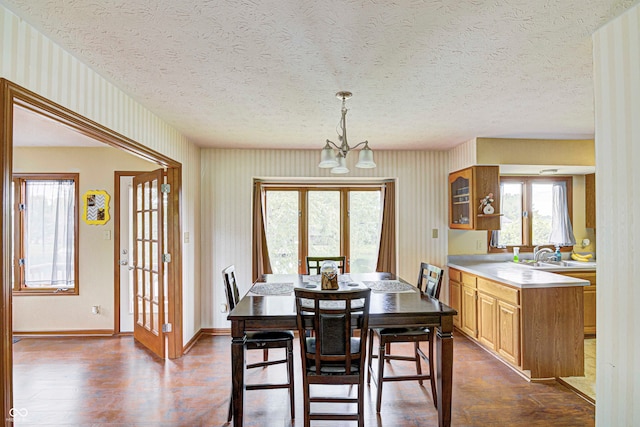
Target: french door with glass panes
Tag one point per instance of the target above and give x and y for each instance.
(149, 281)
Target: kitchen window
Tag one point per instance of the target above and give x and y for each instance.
(322, 220)
(45, 230)
(530, 207)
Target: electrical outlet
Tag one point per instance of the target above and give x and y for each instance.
(106, 234)
(478, 244)
(434, 233)
(95, 309)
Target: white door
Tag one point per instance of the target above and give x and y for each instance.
(126, 254)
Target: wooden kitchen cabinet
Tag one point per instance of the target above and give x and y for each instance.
(508, 343)
(538, 331)
(590, 200)
(487, 314)
(468, 312)
(467, 187)
(455, 294)
(589, 300)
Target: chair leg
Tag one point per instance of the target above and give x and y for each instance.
(432, 374)
(361, 403)
(291, 380)
(370, 356)
(230, 409)
(265, 354)
(307, 405)
(418, 364)
(381, 350)
(388, 351)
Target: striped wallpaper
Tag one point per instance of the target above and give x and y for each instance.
(31, 60)
(463, 155)
(617, 100)
(227, 177)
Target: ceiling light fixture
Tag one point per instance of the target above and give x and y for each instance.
(337, 158)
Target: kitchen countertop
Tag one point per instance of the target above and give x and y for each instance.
(520, 276)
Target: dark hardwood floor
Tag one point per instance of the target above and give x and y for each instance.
(115, 382)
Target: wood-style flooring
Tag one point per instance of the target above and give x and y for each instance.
(115, 382)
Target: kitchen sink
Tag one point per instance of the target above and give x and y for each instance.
(558, 265)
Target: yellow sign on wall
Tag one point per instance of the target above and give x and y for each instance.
(96, 207)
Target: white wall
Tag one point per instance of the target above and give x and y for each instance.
(96, 167)
(31, 60)
(616, 48)
(227, 177)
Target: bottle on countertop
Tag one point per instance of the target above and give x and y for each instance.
(516, 251)
(558, 254)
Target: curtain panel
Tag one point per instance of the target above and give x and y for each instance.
(260, 255)
(387, 252)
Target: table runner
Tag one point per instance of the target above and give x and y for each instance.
(389, 286)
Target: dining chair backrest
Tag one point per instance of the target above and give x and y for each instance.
(314, 263)
(430, 280)
(230, 286)
(340, 323)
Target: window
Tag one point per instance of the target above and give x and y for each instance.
(45, 229)
(527, 205)
(318, 220)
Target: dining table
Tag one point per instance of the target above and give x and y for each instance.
(269, 304)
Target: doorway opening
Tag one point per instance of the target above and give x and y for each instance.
(13, 96)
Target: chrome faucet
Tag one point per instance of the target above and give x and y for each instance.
(539, 252)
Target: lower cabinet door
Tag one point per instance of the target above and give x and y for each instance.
(468, 322)
(487, 320)
(508, 343)
(455, 296)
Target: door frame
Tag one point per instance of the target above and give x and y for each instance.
(12, 94)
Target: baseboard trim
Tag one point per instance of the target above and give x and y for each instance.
(216, 331)
(71, 333)
(188, 346)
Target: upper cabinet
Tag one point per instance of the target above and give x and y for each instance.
(590, 200)
(470, 193)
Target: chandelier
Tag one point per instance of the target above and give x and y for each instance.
(336, 157)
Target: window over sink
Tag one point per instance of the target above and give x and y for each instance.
(527, 204)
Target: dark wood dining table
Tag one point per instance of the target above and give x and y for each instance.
(270, 305)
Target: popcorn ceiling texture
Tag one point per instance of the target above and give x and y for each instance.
(263, 74)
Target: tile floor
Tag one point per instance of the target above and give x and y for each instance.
(587, 384)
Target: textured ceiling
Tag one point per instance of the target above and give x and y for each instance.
(425, 74)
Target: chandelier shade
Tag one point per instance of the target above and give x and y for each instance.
(334, 156)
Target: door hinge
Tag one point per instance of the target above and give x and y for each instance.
(166, 257)
(165, 188)
(166, 327)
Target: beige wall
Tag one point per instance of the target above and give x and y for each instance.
(617, 114)
(96, 167)
(30, 59)
(507, 151)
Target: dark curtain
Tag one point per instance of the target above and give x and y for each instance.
(260, 252)
(387, 251)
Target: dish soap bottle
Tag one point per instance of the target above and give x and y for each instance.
(516, 251)
(558, 254)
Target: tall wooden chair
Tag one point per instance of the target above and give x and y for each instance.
(314, 263)
(262, 341)
(335, 354)
(429, 283)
